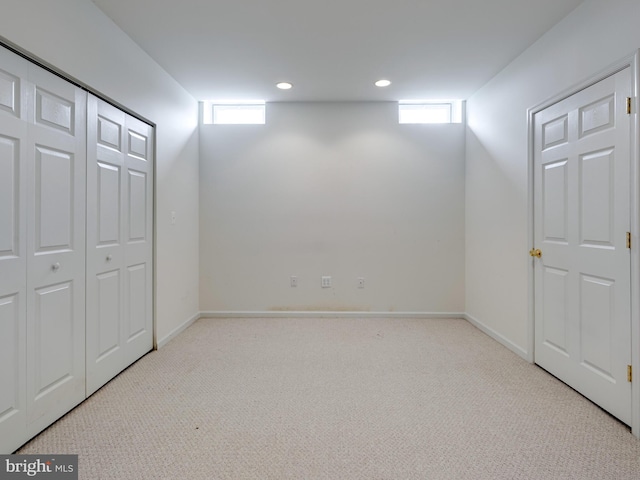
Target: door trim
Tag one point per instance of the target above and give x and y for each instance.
(633, 62)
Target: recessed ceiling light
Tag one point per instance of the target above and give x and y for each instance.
(383, 83)
(284, 85)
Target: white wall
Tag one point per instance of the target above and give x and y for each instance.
(595, 35)
(75, 37)
(336, 189)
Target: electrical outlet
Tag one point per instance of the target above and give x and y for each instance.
(360, 282)
(294, 281)
(326, 282)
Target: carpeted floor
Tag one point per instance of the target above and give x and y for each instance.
(343, 399)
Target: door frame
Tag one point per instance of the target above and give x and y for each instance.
(633, 62)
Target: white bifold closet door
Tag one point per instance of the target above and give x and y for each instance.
(76, 246)
(56, 183)
(13, 252)
(119, 241)
(42, 248)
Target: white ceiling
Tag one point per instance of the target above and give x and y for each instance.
(333, 50)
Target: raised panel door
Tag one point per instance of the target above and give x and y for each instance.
(138, 163)
(581, 216)
(56, 168)
(13, 252)
(119, 246)
(105, 242)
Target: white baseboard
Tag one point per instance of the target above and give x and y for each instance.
(326, 314)
(498, 337)
(177, 331)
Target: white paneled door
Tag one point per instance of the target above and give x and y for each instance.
(56, 173)
(581, 219)
(13, 250)
(119, 241)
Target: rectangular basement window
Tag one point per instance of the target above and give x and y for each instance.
(234, 114)
(449, 111)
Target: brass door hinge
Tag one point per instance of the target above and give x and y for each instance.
(629, 105)
(629, 240)
(629, 373)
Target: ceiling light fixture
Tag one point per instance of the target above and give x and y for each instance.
(284, 85)
(383, 83)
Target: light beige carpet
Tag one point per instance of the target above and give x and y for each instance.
(340, 399)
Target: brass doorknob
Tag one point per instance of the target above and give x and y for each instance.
(535, 252)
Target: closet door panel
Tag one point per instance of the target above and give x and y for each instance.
(9, 195)
(12, 70)
(137, 211)
(108, 308)
(137, 312)
(108, 208)
(105, 252)
(54, 200)
(56, 159)
(53, 326)
(13, 252)
(118, 236)
(12, 374)
(139, 234)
